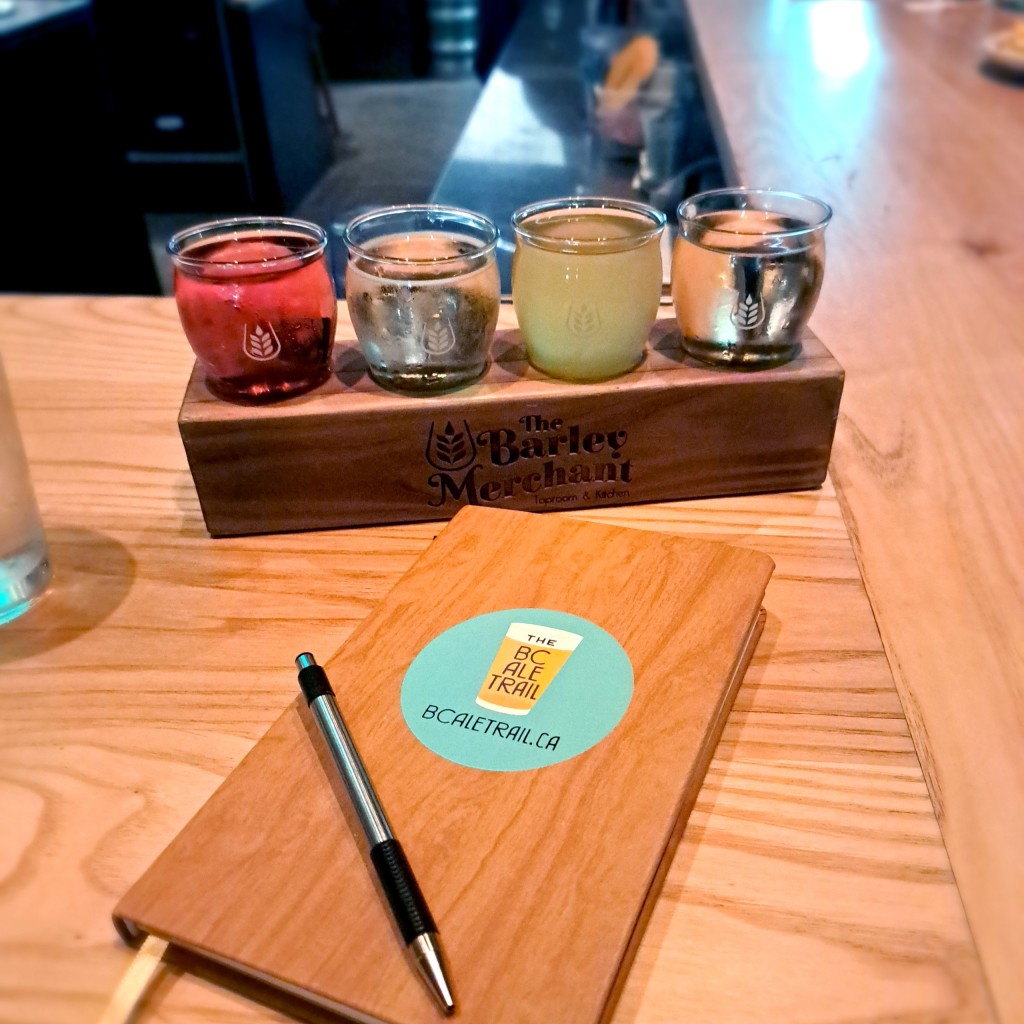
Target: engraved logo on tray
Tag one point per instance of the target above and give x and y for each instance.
(450, 448)
(537, 462)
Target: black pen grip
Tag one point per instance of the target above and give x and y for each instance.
(407, 902)
(314, 682)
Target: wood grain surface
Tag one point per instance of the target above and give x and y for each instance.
(541, 881)
(811, 885)
(886, 111)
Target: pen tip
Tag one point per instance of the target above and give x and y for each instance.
(305, 660)
(429, 958)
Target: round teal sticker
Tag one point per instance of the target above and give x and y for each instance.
(517, 689)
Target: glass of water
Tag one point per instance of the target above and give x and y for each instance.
(422, 289)
(24, 558)
(746, 272)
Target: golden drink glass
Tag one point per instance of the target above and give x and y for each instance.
(746, 272)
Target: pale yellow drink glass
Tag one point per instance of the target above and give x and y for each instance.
(586, 283)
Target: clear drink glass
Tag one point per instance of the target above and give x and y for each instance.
(746, 272)
(423, 290)
(586, 283)
(24, 558)
(256, 300)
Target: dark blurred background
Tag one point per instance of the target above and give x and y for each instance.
(125, 121)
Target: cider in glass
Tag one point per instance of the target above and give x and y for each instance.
(747, 268)
(586, 284)
(257, 304)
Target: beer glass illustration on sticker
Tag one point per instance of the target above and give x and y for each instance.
(527, 661)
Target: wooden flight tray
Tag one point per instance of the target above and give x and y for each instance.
(351, 453)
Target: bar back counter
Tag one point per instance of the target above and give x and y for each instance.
(532, 134)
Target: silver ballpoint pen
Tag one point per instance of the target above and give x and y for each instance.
(407, 904)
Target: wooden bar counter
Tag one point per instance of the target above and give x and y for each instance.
(812, 884)
(855, 851)
(886, 111)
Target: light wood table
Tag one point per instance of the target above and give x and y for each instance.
(812, 884)
(882, 110)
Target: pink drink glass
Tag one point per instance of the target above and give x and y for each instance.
(257, 303)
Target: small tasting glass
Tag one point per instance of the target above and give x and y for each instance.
(423, 291)
(746, 272)
(586, 284)
(257, 303)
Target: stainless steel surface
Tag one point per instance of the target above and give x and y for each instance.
(27, 16)
(344, 754)
(529, 136)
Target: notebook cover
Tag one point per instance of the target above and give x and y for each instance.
(541, 878)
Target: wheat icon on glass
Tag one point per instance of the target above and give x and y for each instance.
(748, 313)
(261, 344)
(583, 320)
(439, 336)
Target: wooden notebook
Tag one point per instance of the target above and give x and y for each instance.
(541, 878)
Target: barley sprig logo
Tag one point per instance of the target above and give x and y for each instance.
(260, 343)
(583, 320)
(439, 336)
(450, 448)
(748, 313)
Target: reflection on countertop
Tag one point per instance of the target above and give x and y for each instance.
(18, 17)
(535, 131)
